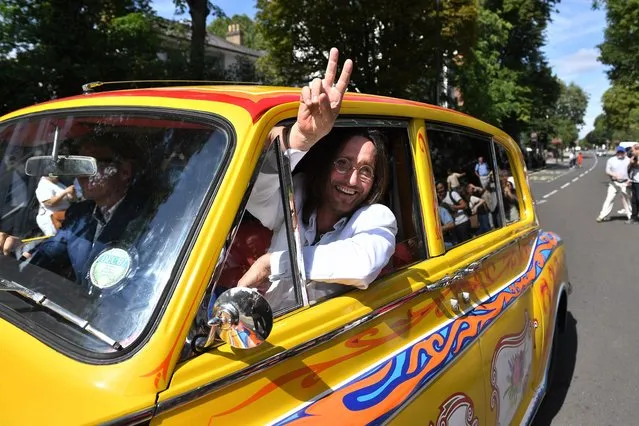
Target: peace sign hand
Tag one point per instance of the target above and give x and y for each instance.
(320, 103)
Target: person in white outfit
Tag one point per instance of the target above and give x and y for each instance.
(53, 196)
(347, 236)
(617, 169)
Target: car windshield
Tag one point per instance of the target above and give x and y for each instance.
(102, 249)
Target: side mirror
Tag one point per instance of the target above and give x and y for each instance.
(240, 317)
(71, 165)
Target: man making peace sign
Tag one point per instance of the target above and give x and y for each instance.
(347, 236)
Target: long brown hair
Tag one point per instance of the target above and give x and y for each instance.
(318, 162)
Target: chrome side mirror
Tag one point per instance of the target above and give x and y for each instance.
(240, 317)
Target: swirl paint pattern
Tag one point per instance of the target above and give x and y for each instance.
(375, 395)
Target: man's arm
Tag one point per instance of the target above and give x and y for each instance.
(355, 261)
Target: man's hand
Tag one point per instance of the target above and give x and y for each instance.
(257, 275)
(320, 103)
(9, 243)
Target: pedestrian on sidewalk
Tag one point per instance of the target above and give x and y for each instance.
(617, 169)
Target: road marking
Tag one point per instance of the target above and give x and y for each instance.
(582, 175)
(565, 185)
(541, 202)
(575, 179)
(550, 193)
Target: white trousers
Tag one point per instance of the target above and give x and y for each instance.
(613, 189)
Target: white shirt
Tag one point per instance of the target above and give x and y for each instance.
(453, 198)
(353, 253)
(619, 167)
(47, 190)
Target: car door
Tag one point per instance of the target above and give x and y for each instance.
(509, 343)
(488, 260)
(397, 351)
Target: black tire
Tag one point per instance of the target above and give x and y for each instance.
(554, 357)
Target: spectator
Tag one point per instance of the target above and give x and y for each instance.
(617, 169)
(53, 197)
(453, 180)
(633, 175)
(457, 207)
(482, 171)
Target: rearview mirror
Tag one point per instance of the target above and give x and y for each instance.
(70, 165)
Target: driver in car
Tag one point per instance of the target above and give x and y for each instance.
(105, 217)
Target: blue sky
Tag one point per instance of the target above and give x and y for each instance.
(572, 39)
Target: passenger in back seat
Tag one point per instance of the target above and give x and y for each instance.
(348, 237)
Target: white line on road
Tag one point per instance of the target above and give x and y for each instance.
(582, 175)
(565, 185)
(575, 179)
(550, 193)
(541, 201)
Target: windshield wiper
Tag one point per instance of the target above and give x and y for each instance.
(42, 300)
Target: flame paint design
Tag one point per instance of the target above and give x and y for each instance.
(375, 395)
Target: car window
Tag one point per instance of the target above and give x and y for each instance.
(400, 196)
(250, 238)
(463, 169)
(508, 185)
(256, 233)
(105, 247)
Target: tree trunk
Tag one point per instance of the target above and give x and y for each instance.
(199, 10)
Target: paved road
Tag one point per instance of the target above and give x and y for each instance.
(598, 375)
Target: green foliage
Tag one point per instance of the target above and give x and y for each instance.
(620, 48)
(50, 48)
(600, 134)
(252, 37)
(395, 45)
(621, 108)
(490, 90)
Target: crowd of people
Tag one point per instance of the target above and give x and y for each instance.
(467, 209)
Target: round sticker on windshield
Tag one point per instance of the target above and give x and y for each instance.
(110, 268)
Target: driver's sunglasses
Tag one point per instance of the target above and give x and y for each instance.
(365, 173)
(105, 162)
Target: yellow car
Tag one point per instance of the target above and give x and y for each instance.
(130, 313)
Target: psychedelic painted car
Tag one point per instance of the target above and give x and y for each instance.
(143, 323)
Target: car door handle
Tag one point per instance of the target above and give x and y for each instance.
(446, 281)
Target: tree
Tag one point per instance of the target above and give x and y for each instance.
(41, 56)
(252, 36)
(621, 109)
(620, 49)
(600, 134)
(199, 10)
(522, 54)
(490, 90)
(395, 45)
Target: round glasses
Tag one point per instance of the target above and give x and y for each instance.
(364, 172)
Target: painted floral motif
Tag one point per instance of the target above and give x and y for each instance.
(516, 376)
(510, 370)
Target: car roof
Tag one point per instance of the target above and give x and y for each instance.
(255, 99)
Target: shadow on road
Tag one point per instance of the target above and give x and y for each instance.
(564, 371)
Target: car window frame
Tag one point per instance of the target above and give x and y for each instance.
(471, 132)
(353, 122)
